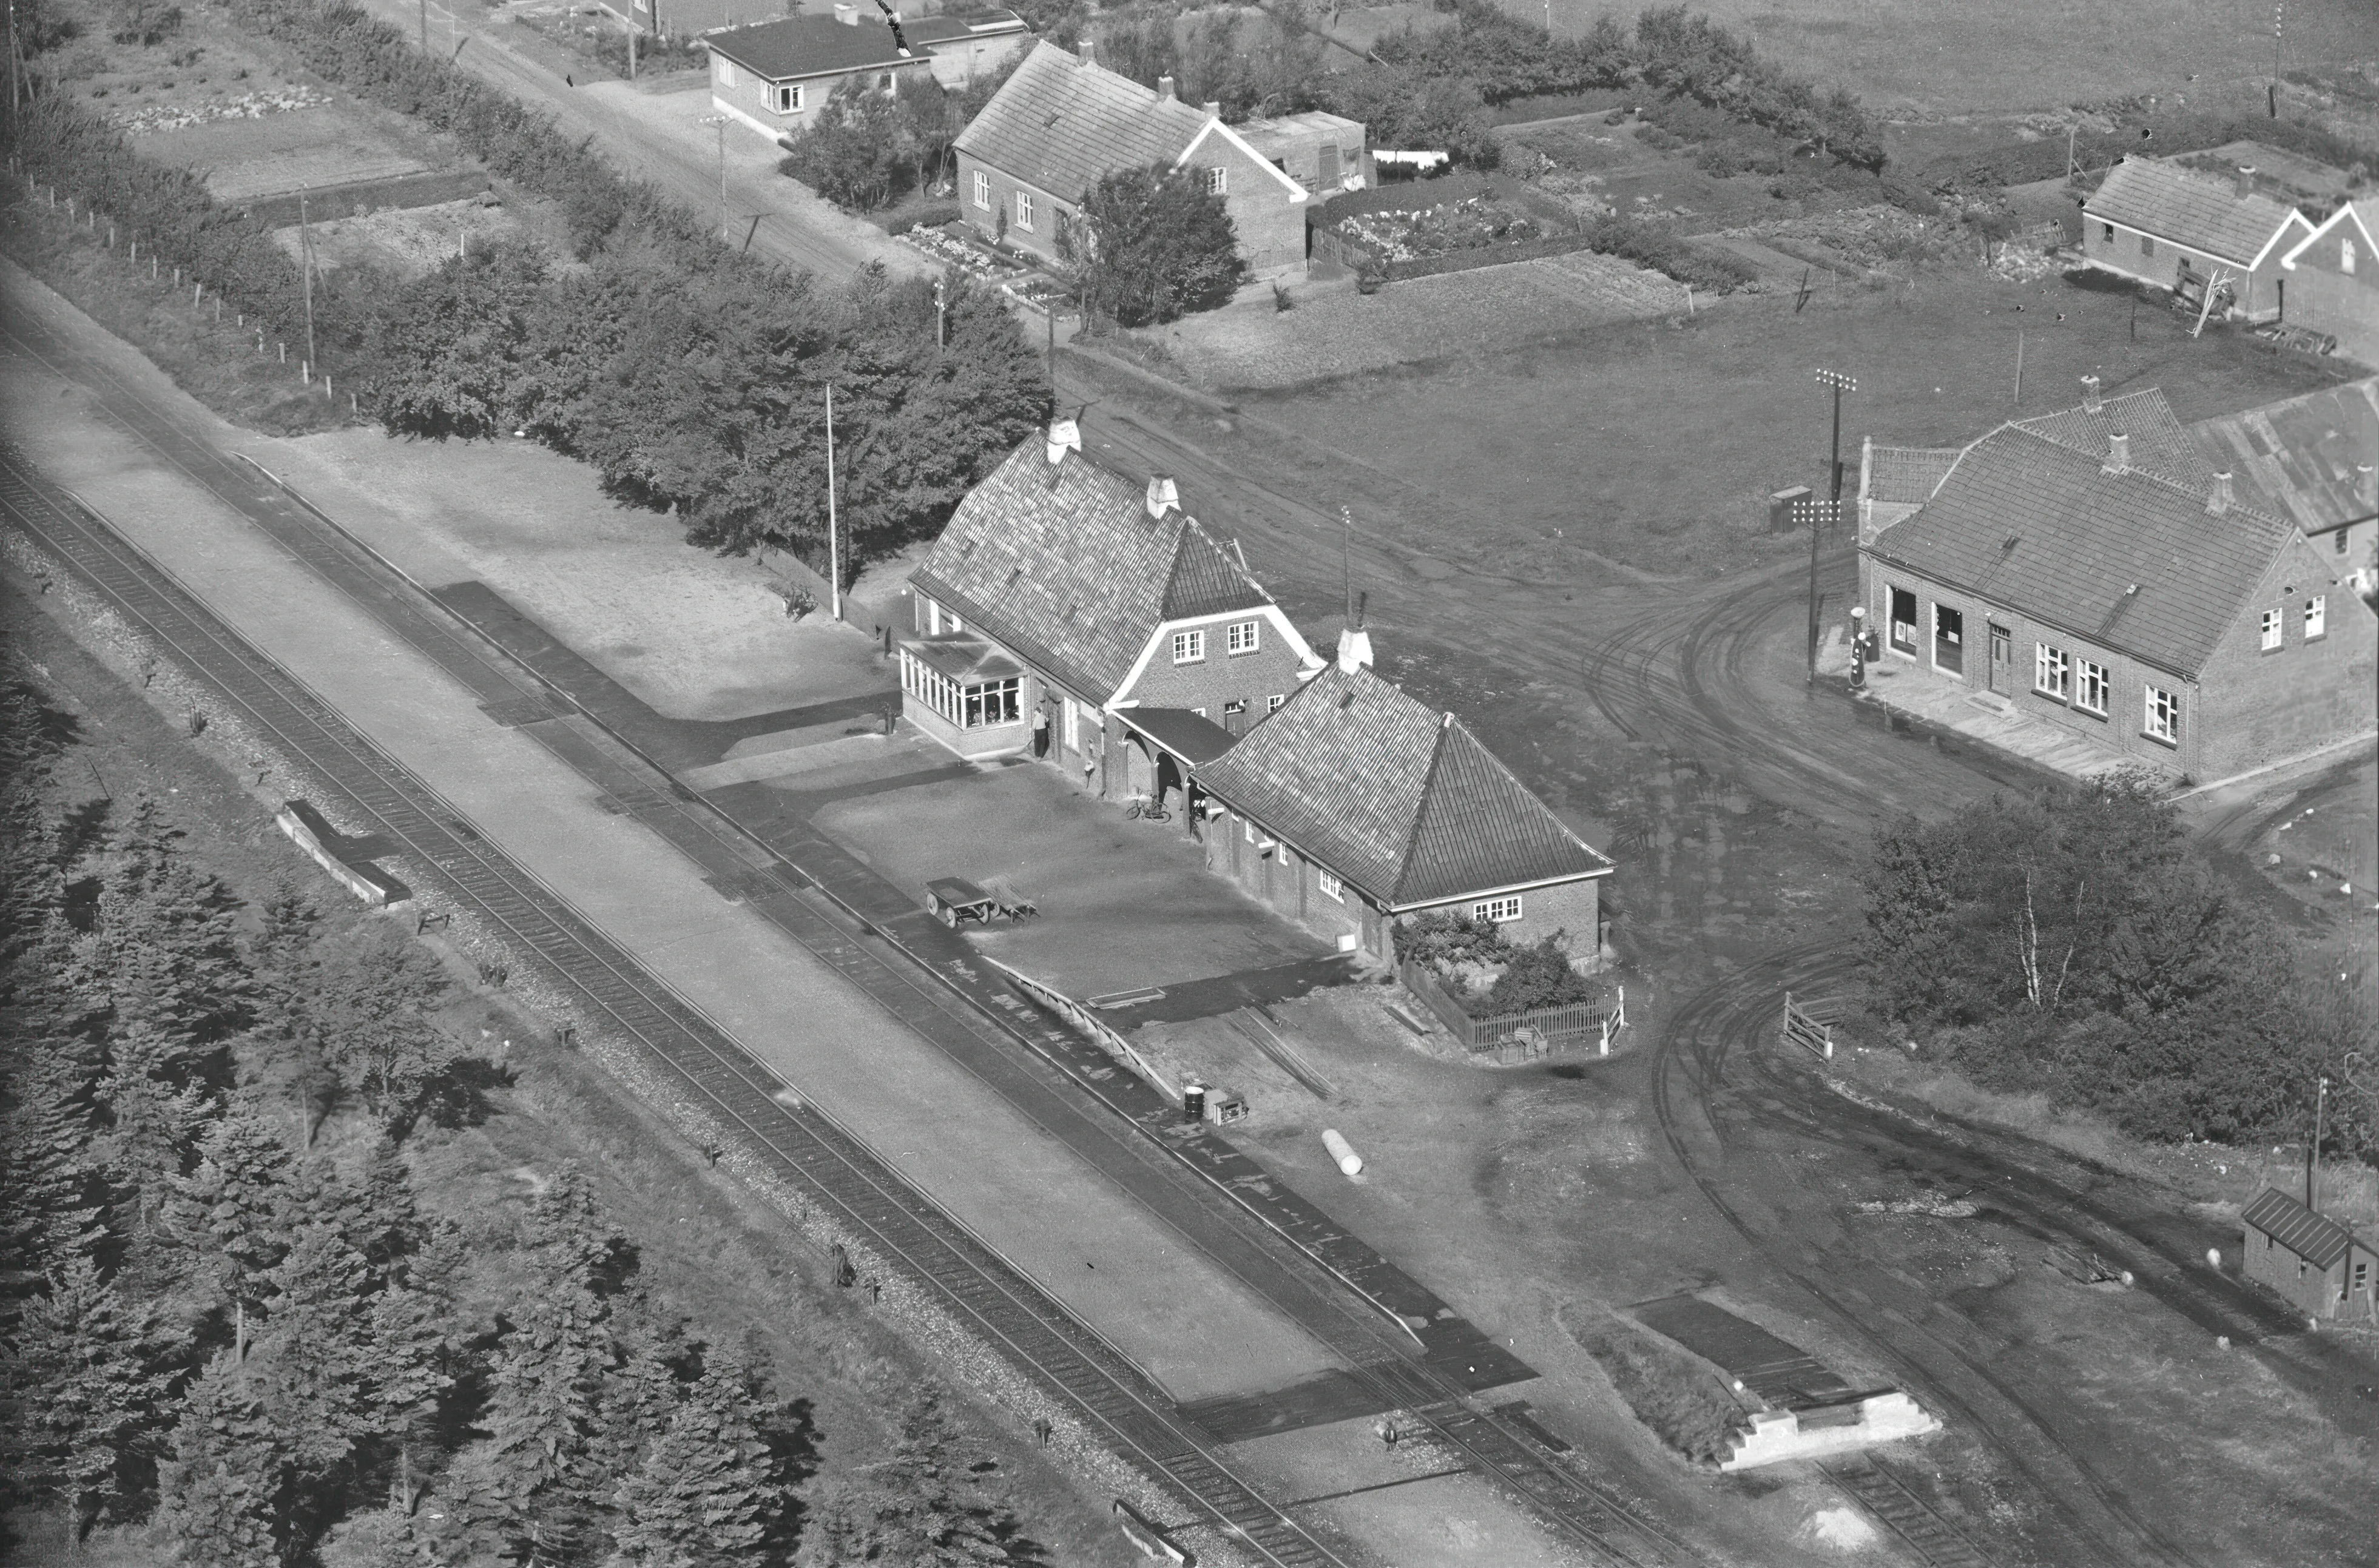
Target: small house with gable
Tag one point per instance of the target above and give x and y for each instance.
(1063, 122)
(1354, 806)
(2319, 1264)
(1080, 614)
(775, 78)
(2332, 275)
(2165, 226)
(2147, 608)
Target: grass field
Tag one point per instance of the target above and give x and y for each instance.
(1656, 444)
(2002, 56)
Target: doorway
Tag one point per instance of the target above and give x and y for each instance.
(1949, 640)
(2002, 674)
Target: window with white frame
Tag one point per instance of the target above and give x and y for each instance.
(1497, 910)
(1188, 647)
(1244, 636)
(2316, 616)
(1272, 703)
(1332, 888)
(2090, 687)
(2343, 540)
(885, 85)
(1073, 725)
(1024, 210)
(789, 99)
(2346, 256)
(983, 190)
(726, 72)
(2052, 671)
(1949, 639)
(969, 705)
(1247, 826)
(1218, 181)
(2162, 721)
(1903, 620)
(2272, 635)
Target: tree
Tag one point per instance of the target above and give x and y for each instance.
(1539, 977)
(153, 1129)
(856, 149)
(219, 1501)
(237, 1205)
(52, 1184)
(909, 1509)
(81, 1401)
(449, 347)
(1149, 244)
(1402, 110)
(706, 1491)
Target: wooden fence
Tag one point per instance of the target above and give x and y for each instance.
(1511, 1038)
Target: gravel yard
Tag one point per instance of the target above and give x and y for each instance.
(1335, 331)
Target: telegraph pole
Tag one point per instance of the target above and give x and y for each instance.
(833, 534)
(425, 25)
(306, 265)
(941, 314)
(1838, 383)
(2313, 1154)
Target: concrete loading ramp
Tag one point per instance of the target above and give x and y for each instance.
(1812, 1411)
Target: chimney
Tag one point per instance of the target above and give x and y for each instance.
(2090, 402)
(2219, 501)
(2246, 181)
(1214, 107)
(1065, 436)
(1164, 86)
(1089, 50)
(846, 13)
(1354, 650)
(2119, 452)
(1163, 496)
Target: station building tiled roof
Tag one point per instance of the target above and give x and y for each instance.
(1062, 123)
(2127, 559)
(2197, 210)
(1062, 563)
(1398, 799)
(2308, 459)
(2160, 443)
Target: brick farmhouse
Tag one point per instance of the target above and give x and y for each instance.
(2165, 226)
(2310, 459)
(2112, 584)
(777, 77)
(1063, 122)
(2332, 276)
(1082, 616)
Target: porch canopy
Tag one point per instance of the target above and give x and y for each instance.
(1191, 738)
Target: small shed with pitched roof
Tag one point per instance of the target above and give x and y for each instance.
(2319, 1263)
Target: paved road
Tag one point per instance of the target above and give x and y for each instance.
(654, 136)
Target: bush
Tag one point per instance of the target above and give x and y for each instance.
(858, 152)
(2077, 942)
(1539, 977)
(143, 21)
(1671, 1390)
(1662, 250)
(1151, 244)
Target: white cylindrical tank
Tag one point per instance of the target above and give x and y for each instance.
(1349, 1163)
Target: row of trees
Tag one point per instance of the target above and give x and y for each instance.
(270, 1355)
(691, 376)
(2077, 942)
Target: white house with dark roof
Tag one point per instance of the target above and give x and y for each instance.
(2165, 226)
(2154, 612)
(1063, 122)
(2332, 276)
(1354, 806)
(1083, 615)
(776, 76)
(2310, 459)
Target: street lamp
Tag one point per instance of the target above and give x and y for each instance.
(1839, 383)
(721, 121)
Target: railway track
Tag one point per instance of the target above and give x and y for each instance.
(798, 1142)
(1911, 1518)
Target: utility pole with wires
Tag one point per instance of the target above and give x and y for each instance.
(306, 265)
(833, 530)
(2312, 1150)
(942, 313)
(2280, 23)
(425, 25)
(1347, 561)
(721, 121)
(1838, 383)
